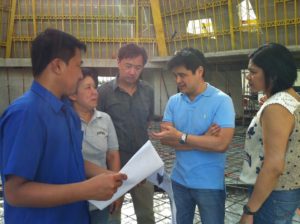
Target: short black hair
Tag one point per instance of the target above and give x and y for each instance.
(190, 58)
(131, 51)
(89, 72)
(51, 44)
(278, 65)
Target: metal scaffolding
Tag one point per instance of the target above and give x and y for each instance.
(162, 27)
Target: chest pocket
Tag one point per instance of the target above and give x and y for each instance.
(96, 137)
(192, 122)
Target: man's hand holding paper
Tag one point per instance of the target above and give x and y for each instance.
(145, 162)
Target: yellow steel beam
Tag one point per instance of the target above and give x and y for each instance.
(296, 29)
(201, 6)
(199, 16)
(166, 22)
(285, 25)
(159, 29)
(173, 26)
(258, 34)
(97, 39)
(5, 9)
(231, 24)
(79, 17)
(215, 26)
(136, 21)
(275, 16)
(33, 2)
(10, 28)
(266, 19)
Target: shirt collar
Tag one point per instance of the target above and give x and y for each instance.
(115, 83)
(207, 92)
(96, 115)
(47, 96)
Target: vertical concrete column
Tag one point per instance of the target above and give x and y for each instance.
(230, 82)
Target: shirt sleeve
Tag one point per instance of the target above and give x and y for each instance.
(151, 112)
(112, 143)
(168, 114)
(22, 144)
(225, 114)
(101, 98)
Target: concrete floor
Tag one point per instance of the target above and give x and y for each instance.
(236, 192)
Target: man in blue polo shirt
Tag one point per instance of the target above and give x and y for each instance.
(42, 169)
(198, 173)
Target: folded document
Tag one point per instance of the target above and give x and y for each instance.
(145, 162)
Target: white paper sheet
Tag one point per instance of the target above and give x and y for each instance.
(144, 163)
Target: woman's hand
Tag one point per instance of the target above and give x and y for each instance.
(246, 219)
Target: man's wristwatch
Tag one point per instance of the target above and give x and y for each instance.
(247, 210)
(183, 138)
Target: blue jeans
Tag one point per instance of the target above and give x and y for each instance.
(210, 202)
(99, 216)
(279, 208)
